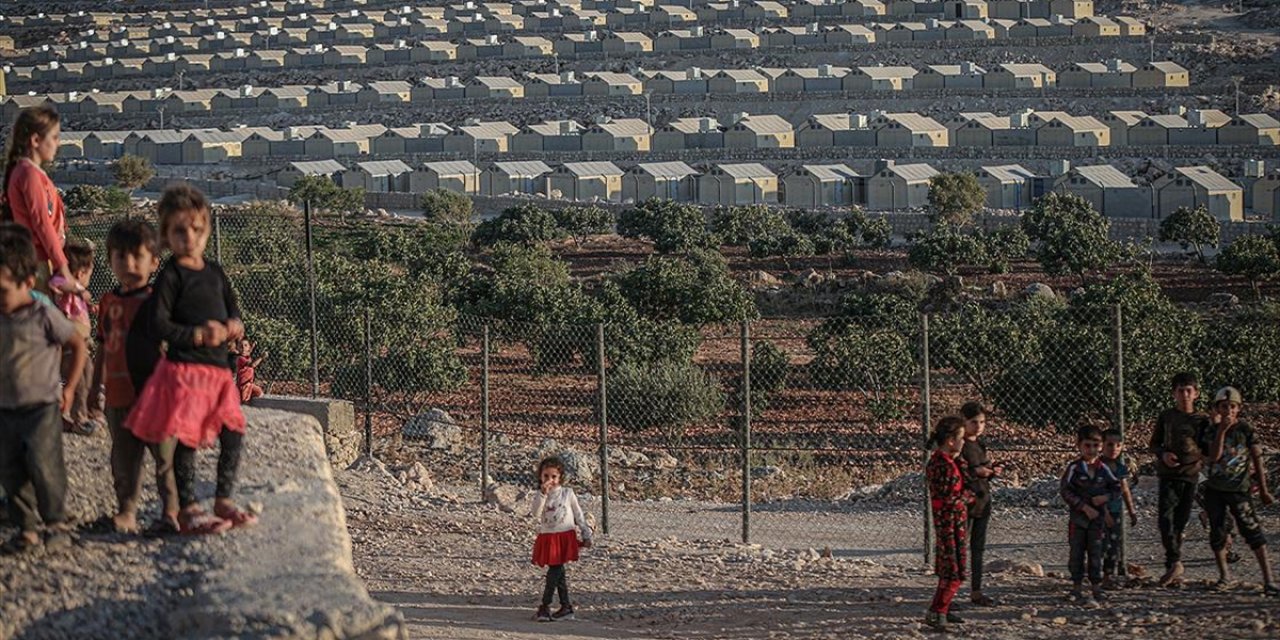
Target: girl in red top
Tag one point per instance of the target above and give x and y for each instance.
(31, 199)
(950, 501)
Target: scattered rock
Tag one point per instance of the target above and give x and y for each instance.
(438, 429)
(1039, 290)
(1016, 567)
(765, 279)
(1060, 620)
(580, 467)
(415, 477)
(999, 290)
(504, 496)
(1223, 299)
(766, 472)
(664, 460)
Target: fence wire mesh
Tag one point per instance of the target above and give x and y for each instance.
(661, 430)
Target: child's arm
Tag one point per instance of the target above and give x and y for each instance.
(1128, 501)
(579, 518)
(79, 355)
(1260, 472)
(235, 328)
(1075, 499)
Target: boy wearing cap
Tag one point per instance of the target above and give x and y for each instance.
(1232, 451)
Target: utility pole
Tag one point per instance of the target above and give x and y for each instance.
(1152, 40)
(648, 110)
(1237, 80)
(161, 110)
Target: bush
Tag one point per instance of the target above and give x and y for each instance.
(769, 368)
(876, 363)
(325, 195)
(527, 285)
(665, 396)
(1070, 236)
(1254, 258)
(1003, 246)
(132, 172)
(672, 226)
(982, 344)
(522, 224)
(693, 289)
(1241, 351)
(1191, 228)
(96, 199)
(740, 226)
(954, 198)
(840, 234)
(944, 250)
(580, 222)
(444, 206)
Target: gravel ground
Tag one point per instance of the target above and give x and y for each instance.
(458, 569)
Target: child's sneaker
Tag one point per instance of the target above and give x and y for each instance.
(565, 612)
(543, 614)
(954, 619)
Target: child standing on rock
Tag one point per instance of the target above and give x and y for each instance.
(191, 394)
(559, 516)
(133, 250)
(33, 336)
(950, 502)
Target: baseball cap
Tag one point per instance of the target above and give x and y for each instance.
(1228, 394)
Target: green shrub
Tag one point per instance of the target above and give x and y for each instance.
(580, 222)
(944, 249)
(770, 367)
(673, 227)
(1004, 245)
(522, 224)
(692, 289)
(325, 195)
(444, 206)
(95, 199)
(666, 397)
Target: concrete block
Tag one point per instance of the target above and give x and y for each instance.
(337, 420)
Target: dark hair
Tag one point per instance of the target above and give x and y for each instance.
(1185, 379)
(17, 251)
(553, 462)
(947, 427)
(1088, 432)
(179, 198)
(128, 236)
(1113, 433)
(32, 121)
(79, 255)
(971, 410)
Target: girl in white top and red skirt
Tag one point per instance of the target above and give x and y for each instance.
(560, 518)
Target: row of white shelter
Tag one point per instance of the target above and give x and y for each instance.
(888, 186)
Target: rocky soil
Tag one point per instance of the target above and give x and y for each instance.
(459, 569)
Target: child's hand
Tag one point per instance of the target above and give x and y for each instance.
(235, 329)
(548, 486)
(1108, 519)
(214, 334)
(1170, 459)
(1133, 519)
(1266, 498)
(68, 397)
(997, 471)
(1098, 501)
(1089, 512)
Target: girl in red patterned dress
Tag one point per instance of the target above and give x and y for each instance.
(559, 517)
(950, 502)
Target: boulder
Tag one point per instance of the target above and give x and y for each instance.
(664, 460)
(999, 290)
(766, 472)
(416, 477)
(811, 279)
(765, 279)
(504, 496)
(1039, 290)
(580, 467)
(437, 428)
(1015, 567)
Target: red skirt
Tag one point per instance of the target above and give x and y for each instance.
(193, 402)
(555, 548)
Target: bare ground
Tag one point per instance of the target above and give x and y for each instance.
(459, 569)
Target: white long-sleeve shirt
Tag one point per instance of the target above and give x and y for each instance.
(559, 511)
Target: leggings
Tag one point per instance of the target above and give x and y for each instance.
(978, 547)
(557, 582)
(944, 595)
(184, 467)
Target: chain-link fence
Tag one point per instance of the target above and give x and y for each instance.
(800, 432)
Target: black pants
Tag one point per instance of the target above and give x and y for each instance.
(1086, 545)
(978, 547)
(230, 444)
(557, 582)
(32, 470)
(1176, 500)
(1218, 504)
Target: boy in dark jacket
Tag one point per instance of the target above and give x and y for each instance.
(1088, 486)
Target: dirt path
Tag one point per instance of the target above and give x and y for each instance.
(459, 569)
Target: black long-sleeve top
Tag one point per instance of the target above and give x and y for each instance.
(181, 301)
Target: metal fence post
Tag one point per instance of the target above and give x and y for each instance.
(368, 384)
(311, 289)
(604, 430)
(927, 404)
(1120, 424)
(746, 432)
(484, 412)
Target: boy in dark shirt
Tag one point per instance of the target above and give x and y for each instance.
(1113, 456)
(1087, 486)
(978, 472)
(1179, 459)
(1232, 451)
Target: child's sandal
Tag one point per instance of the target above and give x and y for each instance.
(201, 524)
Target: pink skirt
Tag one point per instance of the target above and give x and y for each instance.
(555, 548)
(193, 402)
